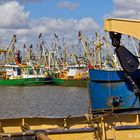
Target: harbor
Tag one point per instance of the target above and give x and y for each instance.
(111, 98)
(69, 70)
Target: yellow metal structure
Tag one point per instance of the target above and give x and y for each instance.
(106, 126)
(124, 125)
(97, 51)
(84, 43)
(69, 128)
(123, 26)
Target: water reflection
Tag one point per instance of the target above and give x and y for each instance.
(42, 101)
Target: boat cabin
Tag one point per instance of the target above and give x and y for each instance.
(10, 71)
(77, 72)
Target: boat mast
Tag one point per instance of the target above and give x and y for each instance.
(5, 52)
(28, 54)
(85, 45)
(11, 51)
(42, 47)
(110, 53)
(58, 55)
(97, 51)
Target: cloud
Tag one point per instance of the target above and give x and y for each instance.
(68, 28)
(21, 1)
(127, 4)
(13, 15)
(126, 9)
(18, 21)
(67, 5)
(52, 24)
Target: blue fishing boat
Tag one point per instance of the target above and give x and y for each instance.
(117, 89)
(113, 89)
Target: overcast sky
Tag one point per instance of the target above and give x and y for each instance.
(28, 18)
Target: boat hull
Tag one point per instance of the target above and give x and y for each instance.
(111, 89)
(25, 81)
(118, 127)
(71, 82)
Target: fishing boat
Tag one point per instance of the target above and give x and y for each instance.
(15, 75)
(114, 94)
(106, 88)
(15, 72)
(74, 75)
(113, 114)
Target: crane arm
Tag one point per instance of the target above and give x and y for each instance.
(116, 27)
(123, 26)
(86, 48)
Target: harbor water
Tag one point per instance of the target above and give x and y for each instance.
(28, 101)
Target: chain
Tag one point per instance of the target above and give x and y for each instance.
(136, 88)
(136, 91)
